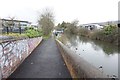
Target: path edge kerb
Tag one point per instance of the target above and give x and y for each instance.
(78, 67)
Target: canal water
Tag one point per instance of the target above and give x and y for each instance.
(102, 55)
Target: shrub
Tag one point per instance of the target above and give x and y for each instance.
(97, 34)
(109, 34)
(83, 32)
(31, 32)
(109, 29)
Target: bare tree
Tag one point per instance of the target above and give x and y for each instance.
(46, 21)
(72, 27)
(11, 23)
(75, 22)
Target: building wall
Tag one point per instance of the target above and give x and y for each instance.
(0, 26)
(13, 53)
(15, 28)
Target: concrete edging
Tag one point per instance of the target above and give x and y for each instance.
(78, 67)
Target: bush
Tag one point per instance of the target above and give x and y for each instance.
(31, 32)
(83, 32)
(97, 34)
(109, 34)
(109, 29)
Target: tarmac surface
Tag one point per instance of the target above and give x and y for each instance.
(44, 62)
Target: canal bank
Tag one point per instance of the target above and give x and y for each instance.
(102, 55)
(78, 67)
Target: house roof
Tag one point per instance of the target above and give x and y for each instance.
(15, 20)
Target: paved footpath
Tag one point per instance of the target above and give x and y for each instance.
(44, 62)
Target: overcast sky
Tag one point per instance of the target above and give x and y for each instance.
(86, 11)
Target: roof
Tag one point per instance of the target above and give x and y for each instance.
(104, 23)
(15, 20)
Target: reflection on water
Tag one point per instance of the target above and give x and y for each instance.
(97, 53)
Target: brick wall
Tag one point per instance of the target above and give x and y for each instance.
(12, 53)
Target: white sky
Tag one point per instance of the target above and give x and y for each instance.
(86, 11)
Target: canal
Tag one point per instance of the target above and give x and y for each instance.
(100, 54)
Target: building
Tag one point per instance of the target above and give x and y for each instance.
(35, 26)
(1, 27)
(58, 31)
(13, 25)
(92, 26)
